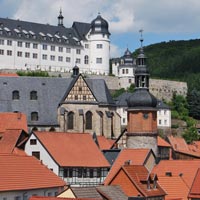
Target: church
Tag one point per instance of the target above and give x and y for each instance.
(33, 46)
(75, 104)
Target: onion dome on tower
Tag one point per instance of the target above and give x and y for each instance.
(99, 25)
(128, 58)
(141, 97)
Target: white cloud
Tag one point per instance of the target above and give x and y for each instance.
(115, 51)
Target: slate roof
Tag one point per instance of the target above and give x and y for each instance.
(111, 155)
(82, 29)
(174, 186)
(86, 192)
(50, 91)
(195, 189)
(121, 101)
(25, 173)
(135, 156)
(112, 192)
(13, 121)
(32, 31)
(187, 169)
(80, 148)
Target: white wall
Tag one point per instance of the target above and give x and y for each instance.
(44, 155)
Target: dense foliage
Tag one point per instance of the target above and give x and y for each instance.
(33, 73)
(122, 90)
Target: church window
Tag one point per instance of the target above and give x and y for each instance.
(33, 95)
(34, 116)
(86, 59)
(15, 95)
(88, 120)
(70, 120)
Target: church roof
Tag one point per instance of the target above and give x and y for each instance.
(50, 92)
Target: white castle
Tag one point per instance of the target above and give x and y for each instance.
(34, 46)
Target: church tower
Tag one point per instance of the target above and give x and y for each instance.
(142, 112)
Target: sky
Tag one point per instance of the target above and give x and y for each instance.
(160, 20)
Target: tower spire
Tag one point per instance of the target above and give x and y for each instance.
(141, 37)
(60, 18)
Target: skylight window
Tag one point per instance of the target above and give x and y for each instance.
(48, 34)
(7, 29)
(24, 31)
(16, 30)
(31, 32)
(65, 37)
(57, 36)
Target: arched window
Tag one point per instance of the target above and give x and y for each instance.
(33, 95)
(70, 120)
(15, 95)
(88, 116)
(34, 116)
(86, 59)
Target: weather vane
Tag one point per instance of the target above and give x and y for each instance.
(141, 39)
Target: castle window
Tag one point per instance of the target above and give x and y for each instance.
(53, 48)
(126, 71)
(68, 59)
(78, 51)
(15, 95)
(35, 45)
(1, 42)
(98, 60)
(60, 49)
(27, 55)
(52, 57)
(1, 52)
(44, 56)
(87, 46)
(44, 46)
(33, 95)
(68, 50)
(99, 46)
(88, 117)
(34, 116)
(70, 120)
(19, 54)
(78, 60)
(60, 58)
(9, 42)
(9, 53)
(86, 59)
(35, 55)
(27, 44)
(19, 44)
(123, 71)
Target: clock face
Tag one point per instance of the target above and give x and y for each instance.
(145, 116)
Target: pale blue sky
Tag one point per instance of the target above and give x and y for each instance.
(161, 20)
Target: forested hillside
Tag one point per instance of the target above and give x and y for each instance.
(175, 60)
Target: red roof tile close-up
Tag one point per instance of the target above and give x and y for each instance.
(25, 173)
(195, 189)
(134, 156)
(72, 149)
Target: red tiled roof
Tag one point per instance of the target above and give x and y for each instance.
(136, 157)
(9, 74)
(25, 172)
(13, 121)
(179, 145)
(195, 189)
(59, 198)
(162, 142)
(104, 143)
(9, 140)
(72, 149)
(139, 176)
(174, 186)
(186, 168)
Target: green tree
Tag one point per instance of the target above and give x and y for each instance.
(193, 99)
(191, 135)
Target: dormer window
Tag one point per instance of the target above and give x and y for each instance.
(15, 95)
(34, 116)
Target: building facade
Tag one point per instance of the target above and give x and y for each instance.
(34, 46)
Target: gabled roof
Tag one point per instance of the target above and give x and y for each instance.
(25, 173)
(195, 189)
(121, 101)
(72, 149)
(187, 169)
(163, 143)
(11, 139)
(112, 192)
(174, 186)
(104, 143)
(82, 29)
(179, 145)
(49, 96)
(140, 178)
(10, 120)
(135, 156)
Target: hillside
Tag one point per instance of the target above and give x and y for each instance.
(175, 60)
